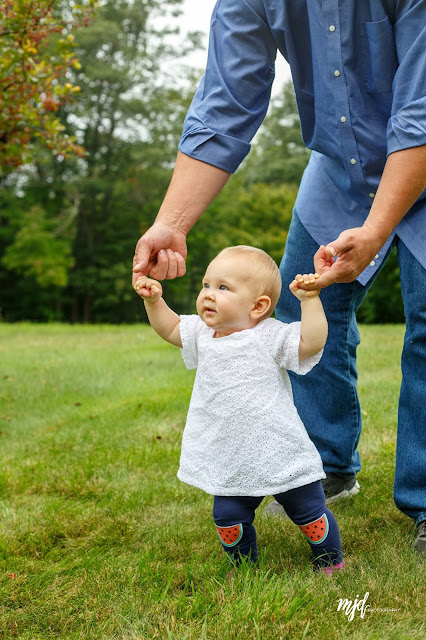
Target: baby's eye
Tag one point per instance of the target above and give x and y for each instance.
(223, 287)
(205, 285)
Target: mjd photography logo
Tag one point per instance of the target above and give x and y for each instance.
(351, 606)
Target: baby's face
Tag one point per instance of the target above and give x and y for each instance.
(227, 296)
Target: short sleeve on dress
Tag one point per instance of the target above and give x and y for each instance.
(190, 327)
(285, 348)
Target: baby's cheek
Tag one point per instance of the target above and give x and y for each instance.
(198, 303)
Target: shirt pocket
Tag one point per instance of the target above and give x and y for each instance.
(381, 60)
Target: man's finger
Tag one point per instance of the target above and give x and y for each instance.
(331, 276)
(181, 266)
(172, 268)
(159, 270)
(309, 285)
(325, 280)
(336, 275)
(322, 259)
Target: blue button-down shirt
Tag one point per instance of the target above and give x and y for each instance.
(359, 72)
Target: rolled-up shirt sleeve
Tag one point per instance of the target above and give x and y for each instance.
(286, 350)
(407, 125)
(233, 96)
(282, 341)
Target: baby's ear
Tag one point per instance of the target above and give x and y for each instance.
(261, 306)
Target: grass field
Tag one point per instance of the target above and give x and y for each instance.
(99, 539)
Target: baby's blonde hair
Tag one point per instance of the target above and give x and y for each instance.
(261, 269)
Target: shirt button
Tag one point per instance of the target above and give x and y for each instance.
(332, 27)
(353, 161)
(376, 256)
(372, 263)
(371, 195)
(343, 119)
(337, 73)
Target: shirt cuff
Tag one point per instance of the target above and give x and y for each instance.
(289, 350)
(304, 366)
(407, 128)
(222, 151)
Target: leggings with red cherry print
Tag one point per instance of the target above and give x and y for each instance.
(305, 506)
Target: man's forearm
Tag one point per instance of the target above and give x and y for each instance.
(193, 186)
(403, 181)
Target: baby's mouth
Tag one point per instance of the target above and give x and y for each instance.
(209, 310)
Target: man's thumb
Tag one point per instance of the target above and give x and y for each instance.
(142, 255)
(342, 244)
(331, 249)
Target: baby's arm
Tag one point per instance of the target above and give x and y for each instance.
(314, 327)
(162, 319)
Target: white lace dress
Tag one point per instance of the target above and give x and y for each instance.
(243, 435)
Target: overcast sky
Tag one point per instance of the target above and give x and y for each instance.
(196, 16)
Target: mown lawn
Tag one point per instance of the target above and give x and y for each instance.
(99, 540)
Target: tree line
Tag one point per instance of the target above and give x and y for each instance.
(69, 221)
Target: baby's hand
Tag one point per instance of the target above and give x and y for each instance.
(148, 289)
(304, 287)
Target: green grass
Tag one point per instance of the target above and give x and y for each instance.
(99, 539)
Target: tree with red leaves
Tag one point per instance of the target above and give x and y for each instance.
(36, 51)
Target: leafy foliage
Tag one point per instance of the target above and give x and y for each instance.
(36, 51)
(384, 301)
(128, 118)
(279, 155)
(38, 252)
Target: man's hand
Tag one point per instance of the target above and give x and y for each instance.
(160, 253)
(354, 248)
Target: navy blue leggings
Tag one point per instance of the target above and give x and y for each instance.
(305, 506)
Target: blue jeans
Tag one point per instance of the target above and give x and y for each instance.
(332, 414)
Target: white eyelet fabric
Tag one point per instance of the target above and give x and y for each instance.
(243, 435)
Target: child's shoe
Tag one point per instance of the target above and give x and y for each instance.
(330, 570)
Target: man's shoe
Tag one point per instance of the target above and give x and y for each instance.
(338, 486)
(420, 540)
(335, 486)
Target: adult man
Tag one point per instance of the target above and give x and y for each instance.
(359, 70)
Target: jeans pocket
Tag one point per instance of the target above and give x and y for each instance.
(381, 60)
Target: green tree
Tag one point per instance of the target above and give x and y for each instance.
(278, 155)
(35, 250)
(38, 251)
(128, 118)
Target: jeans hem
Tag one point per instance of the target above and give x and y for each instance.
(342, 474)
(420, 519)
